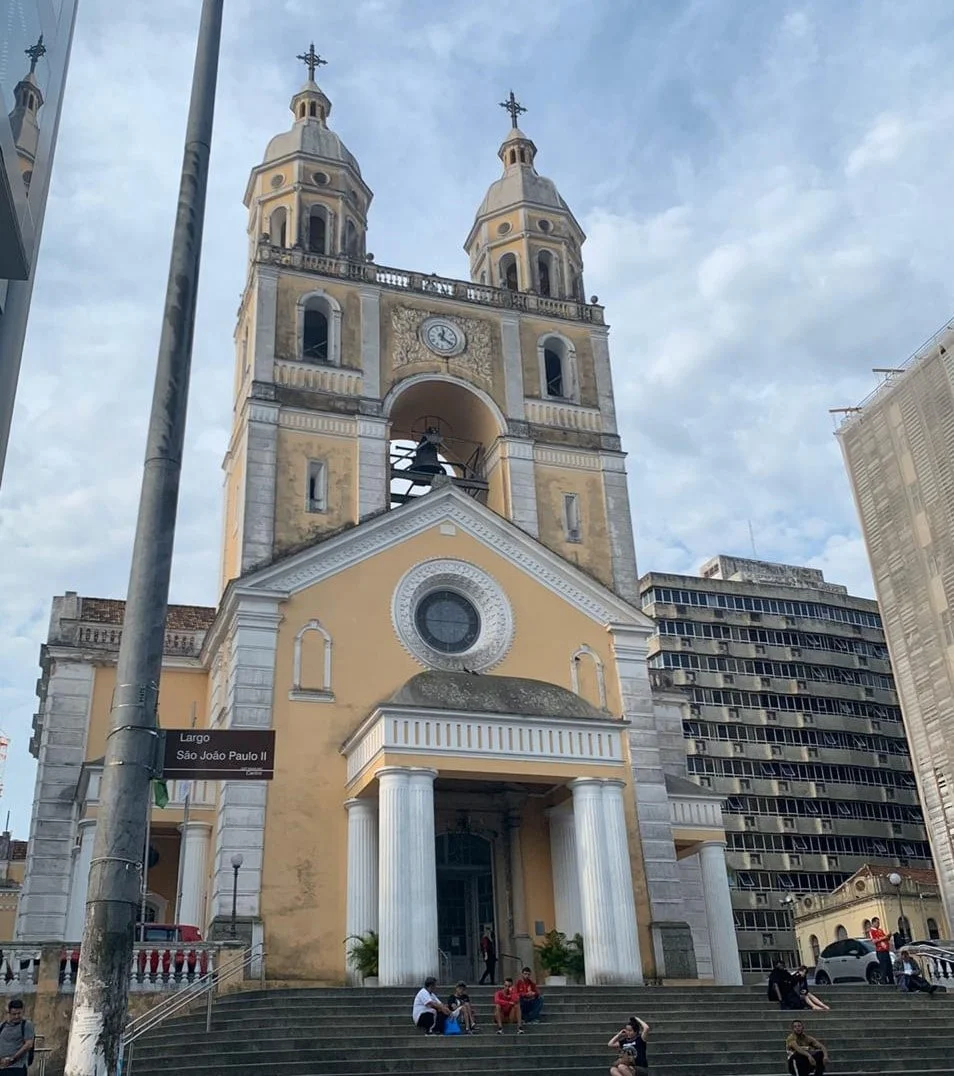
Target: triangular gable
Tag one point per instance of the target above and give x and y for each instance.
(443, 505)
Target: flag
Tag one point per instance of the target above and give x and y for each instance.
(160, 791)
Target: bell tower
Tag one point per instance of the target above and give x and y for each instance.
(359, 386)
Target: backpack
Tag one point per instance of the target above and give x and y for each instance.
(29, 1056)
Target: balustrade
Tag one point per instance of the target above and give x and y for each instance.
(153, 967)
(19, 969)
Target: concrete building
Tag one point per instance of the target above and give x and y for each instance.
(36, 40)
(790, 715)
(466, 733)
(899, 451)
(905, 899)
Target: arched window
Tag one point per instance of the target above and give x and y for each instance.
(545, 272)
(840, 933)
(311, 665)
(351, 239)
(278, 227)
(513, 156)
(317, 230)
(904, 927)
(507, 267)
(932, 928)
(553, 371)
(815, 948)
(578, 288)
(586, 674)
(312, 109)
(301, 111)
(314, 344)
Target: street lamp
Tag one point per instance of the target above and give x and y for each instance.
(895, 879)
(788, 903)
(237, 862)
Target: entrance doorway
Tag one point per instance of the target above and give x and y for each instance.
(465, 900)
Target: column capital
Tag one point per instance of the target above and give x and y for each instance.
(579, 783)
(613, 782)
(194, 827)
(423, 771)
(394, 772)
(561, 812)
(359, 805)
(86, 823)
(721, 845)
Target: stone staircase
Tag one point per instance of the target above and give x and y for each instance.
(703, 1031)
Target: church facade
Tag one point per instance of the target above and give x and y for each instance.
(429, 592)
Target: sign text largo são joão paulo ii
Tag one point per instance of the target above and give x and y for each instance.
(219, 754)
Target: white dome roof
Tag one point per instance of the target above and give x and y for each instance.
(312, 138)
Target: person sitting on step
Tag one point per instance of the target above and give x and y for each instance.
(460, 1006)
(806, 1056)
(507, 1007)
(631, 1043)
(800, 979)
(429, 1012)
(911, 980)
(530, 1000)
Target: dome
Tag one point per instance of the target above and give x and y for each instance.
(310, 137)
(521, 186)
(492, 695)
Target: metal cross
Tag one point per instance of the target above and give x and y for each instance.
(35, 52)
(311, 60)
(513, 106)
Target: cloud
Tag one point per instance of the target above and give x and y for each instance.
(765, 189)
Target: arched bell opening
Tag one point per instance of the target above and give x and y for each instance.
(440, 427)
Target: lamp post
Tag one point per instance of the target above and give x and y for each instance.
(896, 880)
(237, 862)
(788, 903)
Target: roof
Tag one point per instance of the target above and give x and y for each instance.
(680, 786)
(914, 874)
(311, 138)
(178, 617)
(435, 690)
(518, 186)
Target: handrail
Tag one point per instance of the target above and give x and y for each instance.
(444, 961)
(204, 986)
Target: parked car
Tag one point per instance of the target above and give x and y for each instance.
(848, 960)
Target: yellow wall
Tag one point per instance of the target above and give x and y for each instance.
(291, 287)
(293, 524)
(233, 523)
(593, 553)
(851, 914)
(531, 329)
(303, 904)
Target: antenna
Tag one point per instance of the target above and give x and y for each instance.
(755, 552)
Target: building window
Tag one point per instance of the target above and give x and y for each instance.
(815, 948)
(319, 328)
(311, 665)
(278, 227)
(558, 376)
(317, 230)
(553, 371)
(545, 272)
(507, 268)
(840, 933)
(351, 245)
(316, 494)
(314, 347)
(571, 517)
(447, 621)
(932, 928)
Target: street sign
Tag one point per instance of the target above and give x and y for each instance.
(219, 754)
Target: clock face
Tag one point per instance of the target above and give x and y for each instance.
(443, 337)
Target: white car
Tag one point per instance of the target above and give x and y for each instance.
(848, 960)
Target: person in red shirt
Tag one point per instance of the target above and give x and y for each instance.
(530, 1000)
(507, 1007)
(882, 945)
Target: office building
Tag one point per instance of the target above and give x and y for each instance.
(36, 36)
(791, 715)
(899, 451)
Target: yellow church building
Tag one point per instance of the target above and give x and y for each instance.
(429, 592)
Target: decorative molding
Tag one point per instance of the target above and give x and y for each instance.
(316, 378)
(416, 379)
(559, 457)
(449, 505)
(496, 616)
(582, 652)
(324, 693)
(266, 413)
(476, 358)
(552, 412)
(310, 422)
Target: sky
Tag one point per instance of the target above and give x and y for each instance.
(766, 194)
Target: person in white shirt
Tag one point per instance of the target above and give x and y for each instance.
(429, 1013)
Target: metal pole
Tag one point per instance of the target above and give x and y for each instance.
(141, 931)
(100, 999)
(235, 871)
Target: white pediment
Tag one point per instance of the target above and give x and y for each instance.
(445, 505)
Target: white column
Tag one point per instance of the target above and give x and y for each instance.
(83, 857)
(726, 969)
(423, 868)
(629, 964)
(523, 946)
(566, 874)
(395, 894)
(195, 863)
(362, 915)
(373, 479)
(596, 897)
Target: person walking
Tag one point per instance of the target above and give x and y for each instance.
(882, 944)
(806, 1055)
(17, 1038)
(488, 950)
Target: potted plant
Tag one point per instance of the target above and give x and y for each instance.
(363, 956)
(554, 955)
(575, 963)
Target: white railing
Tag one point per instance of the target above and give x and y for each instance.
(428, 284)
(202, 792)
(19, 969)
(695, 812)
(938, 962)
(206, 986)
(569, 415)
(305, 375)
(155, 968)
(524, 739)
